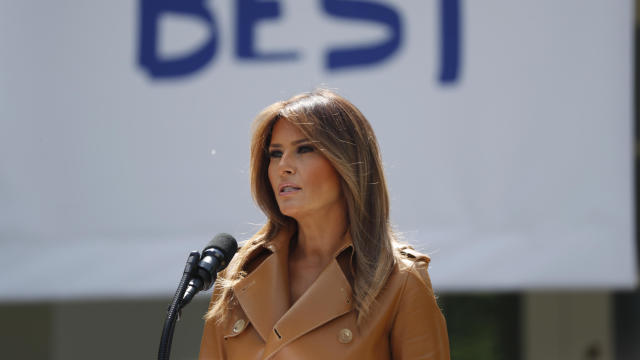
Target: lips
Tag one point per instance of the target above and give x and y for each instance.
(288, 188)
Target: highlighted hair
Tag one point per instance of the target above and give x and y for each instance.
(346, 139)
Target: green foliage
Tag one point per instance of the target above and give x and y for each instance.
(483, 326)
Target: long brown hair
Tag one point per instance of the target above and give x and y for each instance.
(346, 139)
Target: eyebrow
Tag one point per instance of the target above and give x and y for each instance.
(299, 141)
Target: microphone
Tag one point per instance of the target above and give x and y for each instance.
(215, 257)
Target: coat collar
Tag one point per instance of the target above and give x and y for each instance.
(264, 295)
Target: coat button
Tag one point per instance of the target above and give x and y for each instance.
(345, 336)
(239, 326)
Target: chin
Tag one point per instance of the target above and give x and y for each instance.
(290, 211)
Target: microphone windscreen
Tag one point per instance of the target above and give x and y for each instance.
(225, 243)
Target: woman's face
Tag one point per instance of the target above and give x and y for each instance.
(303, 180)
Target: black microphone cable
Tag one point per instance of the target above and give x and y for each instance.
(215, 257)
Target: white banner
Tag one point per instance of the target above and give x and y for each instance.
(506, 133)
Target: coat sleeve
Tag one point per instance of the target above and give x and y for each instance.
(419, 330)
(210, 346)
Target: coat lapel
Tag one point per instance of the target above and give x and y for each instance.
(329, 297)
(264, 293)
(265, 299)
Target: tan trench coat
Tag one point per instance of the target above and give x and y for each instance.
(405, 322)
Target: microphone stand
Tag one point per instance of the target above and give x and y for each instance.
(190, 270)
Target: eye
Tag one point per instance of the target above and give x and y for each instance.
(275, 153)
(305, 149)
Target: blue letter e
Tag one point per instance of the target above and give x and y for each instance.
(150, 11)
(249, 13)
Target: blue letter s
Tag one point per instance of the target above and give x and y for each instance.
(369, 54)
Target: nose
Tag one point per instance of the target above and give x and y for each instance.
(286, 165)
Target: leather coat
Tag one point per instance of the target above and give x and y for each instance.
(404, 323)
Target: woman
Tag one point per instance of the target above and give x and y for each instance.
(325, 277)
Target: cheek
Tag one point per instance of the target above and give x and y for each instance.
(326, 179)
(272, 175)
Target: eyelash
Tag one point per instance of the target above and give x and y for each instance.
(301, 150)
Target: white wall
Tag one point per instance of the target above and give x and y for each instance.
(515, 173)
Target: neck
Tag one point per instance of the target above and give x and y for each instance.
(321, 235)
